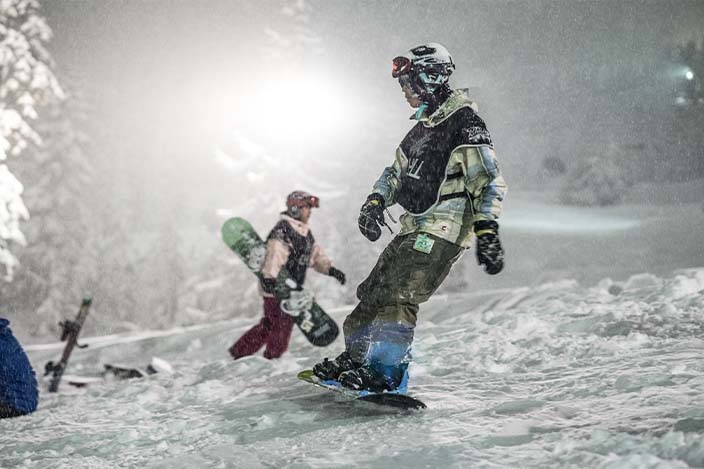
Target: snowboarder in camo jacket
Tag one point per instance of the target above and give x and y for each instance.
(290, 245)
(445, 175)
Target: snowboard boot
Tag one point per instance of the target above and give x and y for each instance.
(331, 369)
(364, 378)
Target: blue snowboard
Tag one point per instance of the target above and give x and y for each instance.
(395, 398)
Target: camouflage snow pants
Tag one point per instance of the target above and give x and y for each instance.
(379, 331)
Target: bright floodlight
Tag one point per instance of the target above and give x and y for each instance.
(298, 108)
(689, 75)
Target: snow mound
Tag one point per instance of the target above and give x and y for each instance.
(560, 375)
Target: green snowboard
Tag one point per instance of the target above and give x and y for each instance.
(319, 328)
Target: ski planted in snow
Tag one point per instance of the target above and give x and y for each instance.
(69, 334)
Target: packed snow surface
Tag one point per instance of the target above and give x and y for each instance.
(559, 375)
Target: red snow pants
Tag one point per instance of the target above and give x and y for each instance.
(274, 330)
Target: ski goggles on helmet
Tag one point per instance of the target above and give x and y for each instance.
(313, 201)
(401, 66)
(302, 199)
(403, 71)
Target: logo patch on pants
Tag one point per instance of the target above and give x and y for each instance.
(424, 243)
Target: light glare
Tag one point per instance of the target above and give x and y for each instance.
(293, 108)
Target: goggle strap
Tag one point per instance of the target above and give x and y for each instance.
(421, 110)
(427, 80)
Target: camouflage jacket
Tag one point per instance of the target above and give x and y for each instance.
(471, 188)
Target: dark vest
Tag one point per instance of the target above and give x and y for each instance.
(428, 150)
(301, 249)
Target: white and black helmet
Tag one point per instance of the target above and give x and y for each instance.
(424, 67)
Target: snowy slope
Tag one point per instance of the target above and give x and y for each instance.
(558, 375)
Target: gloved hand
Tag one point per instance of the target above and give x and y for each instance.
(338, 275)
(268, 285)
(490, 253)
(281, 291)
(371, 216)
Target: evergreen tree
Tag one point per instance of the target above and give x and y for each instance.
(162, 275)
(599, 179)
(112, 255)
(26, 78)
(60, 178)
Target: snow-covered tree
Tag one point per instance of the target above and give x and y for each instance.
(115, 249)
(59, 178)
(26, 78)
(162, 272)
(598, 179)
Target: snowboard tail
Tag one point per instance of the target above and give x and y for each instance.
(318, 327)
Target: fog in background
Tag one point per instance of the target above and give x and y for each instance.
(189, 112)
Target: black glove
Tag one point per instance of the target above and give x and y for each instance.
(371, 216)
(338, 275)
(268, 285)
(490, 254)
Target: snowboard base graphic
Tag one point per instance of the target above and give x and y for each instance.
(391, 398)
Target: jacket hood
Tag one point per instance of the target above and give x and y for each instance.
(458, 99)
